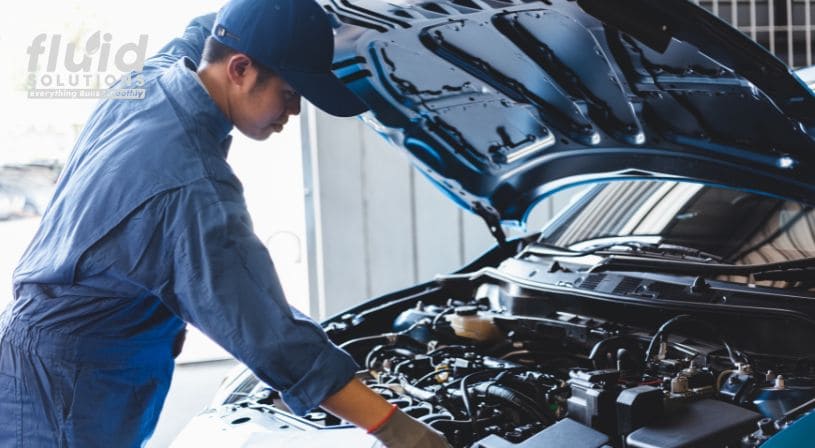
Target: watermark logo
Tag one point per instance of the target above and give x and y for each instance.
(93, 69)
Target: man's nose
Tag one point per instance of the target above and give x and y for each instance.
(294, 106)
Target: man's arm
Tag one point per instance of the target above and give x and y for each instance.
(223, 282)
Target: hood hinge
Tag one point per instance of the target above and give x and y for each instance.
(493, 220)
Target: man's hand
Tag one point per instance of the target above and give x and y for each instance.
(361, 406)
(402, 431)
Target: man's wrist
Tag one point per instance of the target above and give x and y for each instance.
(358, 404)
(384, 420)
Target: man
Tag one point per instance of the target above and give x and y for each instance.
(148, 228)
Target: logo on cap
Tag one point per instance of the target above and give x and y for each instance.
(220, 31)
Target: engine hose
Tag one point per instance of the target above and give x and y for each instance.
(416, 392)
(602, 346)
(662, 332)
(460, 425)
(437, 416)
(418, 410)
(461, 428)
(516, 399)
(386, 338)
(352, 342)
(404, 352)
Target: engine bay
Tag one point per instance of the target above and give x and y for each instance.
(488, 377)
(484, 379)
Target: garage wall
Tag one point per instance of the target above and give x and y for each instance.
(785, 27)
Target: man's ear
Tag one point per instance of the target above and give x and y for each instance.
(237, 70)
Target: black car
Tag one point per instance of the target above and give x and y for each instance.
(670, 304)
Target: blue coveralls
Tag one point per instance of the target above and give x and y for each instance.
(147, 228)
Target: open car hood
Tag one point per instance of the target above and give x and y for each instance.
(503, 102)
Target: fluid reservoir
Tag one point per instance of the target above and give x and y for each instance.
(468, 322)
(409, 317)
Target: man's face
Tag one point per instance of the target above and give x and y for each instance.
(261, 108)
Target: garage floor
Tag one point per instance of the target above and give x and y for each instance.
(191, 390)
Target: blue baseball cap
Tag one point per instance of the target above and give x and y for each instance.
(295, 39)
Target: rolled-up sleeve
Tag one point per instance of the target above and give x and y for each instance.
(224, 283)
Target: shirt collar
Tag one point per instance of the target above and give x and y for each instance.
(185, 88)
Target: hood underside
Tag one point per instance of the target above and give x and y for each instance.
(503, 102)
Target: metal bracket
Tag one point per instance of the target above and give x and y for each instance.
(493, 220)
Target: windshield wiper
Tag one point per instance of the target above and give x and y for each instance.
(655, 249)
(793, 274)
(638, 248)
(802, 269)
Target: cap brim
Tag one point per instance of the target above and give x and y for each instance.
(326, 92)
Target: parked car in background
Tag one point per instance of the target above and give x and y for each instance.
(26, 188)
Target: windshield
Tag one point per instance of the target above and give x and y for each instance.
(737, 226)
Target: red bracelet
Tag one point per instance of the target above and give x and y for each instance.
(384, 420)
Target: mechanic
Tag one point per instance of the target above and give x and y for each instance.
(148, 228)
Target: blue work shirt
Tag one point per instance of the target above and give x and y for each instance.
(147, 229)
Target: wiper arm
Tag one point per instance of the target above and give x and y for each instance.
(659, 250)
(545, 249)
(680, 267)
(795, 274)
(637, 247)
(784, 270)
(650, 257)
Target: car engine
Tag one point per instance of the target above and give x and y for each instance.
(482, 378)
(489, 378)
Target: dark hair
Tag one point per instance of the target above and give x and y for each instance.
(215, 51)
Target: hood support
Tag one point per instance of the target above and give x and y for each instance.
(493, 221)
